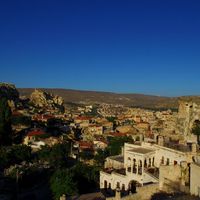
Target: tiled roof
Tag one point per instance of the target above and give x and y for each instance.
(83, 118)
(85, 145)
(118, 134)
(36, 132)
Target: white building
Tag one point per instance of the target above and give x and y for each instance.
(139, 165)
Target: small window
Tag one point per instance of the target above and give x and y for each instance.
(167, 161)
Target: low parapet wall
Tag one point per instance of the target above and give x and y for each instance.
(143, 193)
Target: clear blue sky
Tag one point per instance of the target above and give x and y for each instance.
(134, 46)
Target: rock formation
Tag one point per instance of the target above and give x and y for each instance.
(44, 99)
(189, 112)
(10, 92)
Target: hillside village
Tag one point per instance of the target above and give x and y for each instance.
(133, 153)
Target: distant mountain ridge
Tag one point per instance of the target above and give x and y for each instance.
(80, 96)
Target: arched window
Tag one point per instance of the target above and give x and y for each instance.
(134, 165)
(149, 162)
(129, 164)
(140, 167)
(145, 163)
(162, 160)
(105, 184)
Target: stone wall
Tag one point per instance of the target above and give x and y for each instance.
(112, 163)
(143, 193)
(194, 179)
(174, 178)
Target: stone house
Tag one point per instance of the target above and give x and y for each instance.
(94, 129)
(33, 135)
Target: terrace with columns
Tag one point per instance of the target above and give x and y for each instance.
(134, 167)
(138, 165)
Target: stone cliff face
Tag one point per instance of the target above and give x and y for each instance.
(189, 112)
(10, 92)
(43, 99)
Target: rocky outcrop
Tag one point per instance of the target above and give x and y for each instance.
(189, 112)
(44, 99)
(10, 92)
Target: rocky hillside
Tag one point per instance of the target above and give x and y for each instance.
(45, 99)
(137, 100)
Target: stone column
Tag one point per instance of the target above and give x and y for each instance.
(147, 162)
(137, 167)
(142, 166)
(126, 168)
(117, 194)
(132, 165)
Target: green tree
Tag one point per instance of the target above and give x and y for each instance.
(14, 155)
(116, 143)
(100, 157)
(22, 120)
(5, 123)
(62, 182)
(20, 153)
(86, 155)
(86, 177)
(111, 119)
(56, 155)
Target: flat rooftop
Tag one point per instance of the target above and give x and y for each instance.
(178, 147)
(141, 150)
(118, 158)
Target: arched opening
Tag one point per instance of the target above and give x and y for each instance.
(168, 161)
(162, 160)
(129, 165)
(105, 184)
(153, 162)
(145, 163)
(123, 187)
(118, 185)
(149, 162)
(157, 139)
(132, 186)
(140, 167)
(134, 166)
